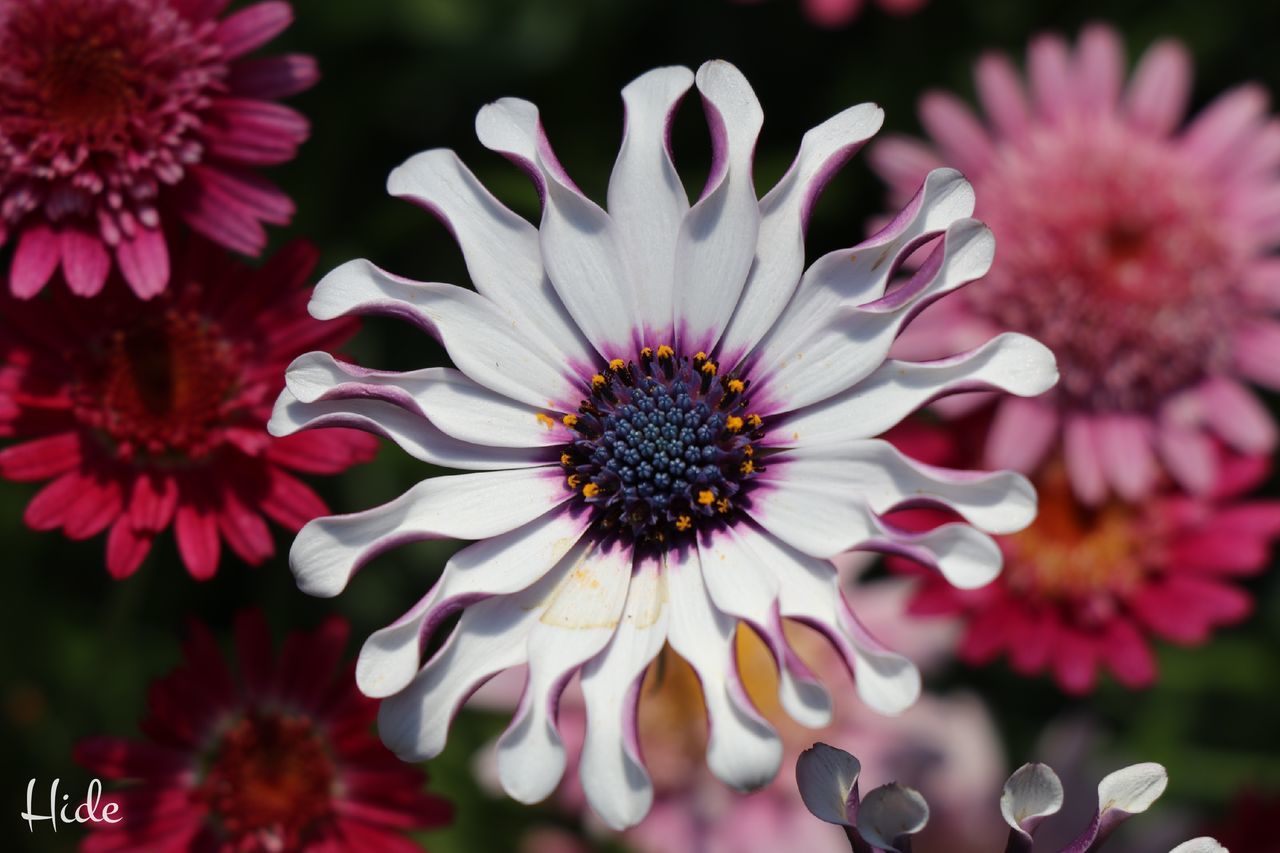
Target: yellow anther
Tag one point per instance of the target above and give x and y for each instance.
(598, 380)
(709, 368)
(706, 497)
(590, 490)
(665, 351)
(573, 481)
(737, 386)
(701, 356)
(545, 419)
(570, 421)
(566, 459)
(747, 466)
(647, 352)
(683, 523)
(748, 451)
(617, 364)
(733, 423)
(754, 421)
(722, 505)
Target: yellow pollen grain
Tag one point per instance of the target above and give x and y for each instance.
(665, 351)
(684, 523)
(570, 420)
(566, 459)
(737, 386)
(722, 505)
(701, 356)
(598, 380)
(706, 497)
(747, 467)
(573, 481)
(748, 451)
(709, 368)
(617, 364)
(647, 352)
(590, 490)
(545, 420)
(733, 423)
(754, 421)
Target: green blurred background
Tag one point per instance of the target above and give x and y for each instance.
(400, 76)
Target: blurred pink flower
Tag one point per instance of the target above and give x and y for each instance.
(1139, 251)
(945, 746)
(1085, 588)
(119, 116)
(834, 14)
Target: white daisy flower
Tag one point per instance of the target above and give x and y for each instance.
(670, 427)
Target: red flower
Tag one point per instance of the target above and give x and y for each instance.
(118, 115)
(146, 414)
(1085, 587)
(277, 758)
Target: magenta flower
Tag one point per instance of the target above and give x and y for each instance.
(120, 116)
(834, 14)
(1139, 251)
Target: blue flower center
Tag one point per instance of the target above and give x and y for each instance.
(664, 447)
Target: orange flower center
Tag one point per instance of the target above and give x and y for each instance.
(272, 779)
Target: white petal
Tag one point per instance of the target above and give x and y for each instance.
(460, 407)
(742, 586)
(1031, 794)
(784, 215)
(966, 557)
(861, 274)
(1013, 363)
(580, 246)
(329, 550)
(1200, 845)
(836, 480)
(814, 357)
(500, 248)
(889, 812)
(577, 619)
(744, 751)
(613, 774)
(416, 435)
(497, 349)
(501, 565)
(1132, 789)
(489, 638)
(646, 199)
(809, 591)
(718, 237)
(826, 777)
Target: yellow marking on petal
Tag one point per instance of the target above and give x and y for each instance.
(683, 523)
(617, 364)
(733, 423)
(737, 386)
(570, 420)
(573, 481)
(754, 421)
(747, 467)
(586, 599)
(722, 505)
(590, 490)
(706, 497)
(545, 419)
(665, 351)
(566, 459)
(598, 380)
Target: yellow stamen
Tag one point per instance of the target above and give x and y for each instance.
(573, 481)
(566, 459)
(754, 421)
(545, 419)
(706, 497)
(684, 523)
(737, 386)
(702, 356)
(617, 364)
(733, 423)
(590, 490)
(722, 505)
(570, 421)
(647, 352)
(598, 380)
(665, 351)
(747, 467)
(709, 368)
(748, 451)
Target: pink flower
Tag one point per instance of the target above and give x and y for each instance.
(1085, 588)
(1139, 251)
(278, 756)
(118, 117)
(150, 414)
(834, 14)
